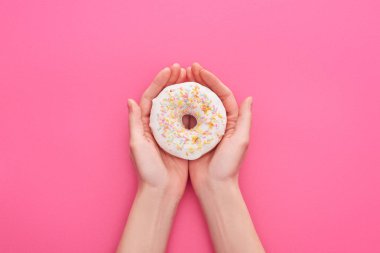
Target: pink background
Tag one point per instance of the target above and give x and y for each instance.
(311, 179)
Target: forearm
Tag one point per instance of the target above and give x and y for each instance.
(149, 221)
(228, 218)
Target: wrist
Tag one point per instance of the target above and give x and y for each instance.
(166, 193)
(210, 187)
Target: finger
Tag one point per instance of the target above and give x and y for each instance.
(189, 74)
(135, 123)
(186, 121)
(192, 122)
(157, 84)
(151, 92)
(182, 76)
(225, 94)
(243, 125)
(195, 69)
(175, 72)
(214, 83)
(189, 121)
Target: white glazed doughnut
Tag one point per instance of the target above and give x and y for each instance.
(188, 98)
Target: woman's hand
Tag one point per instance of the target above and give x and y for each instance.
(156, 168)
(222, 163)
(162, 177)
(214, 176)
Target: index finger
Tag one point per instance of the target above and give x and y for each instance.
(158, 83)
(222, 91)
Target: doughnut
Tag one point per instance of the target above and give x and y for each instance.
(178, 100)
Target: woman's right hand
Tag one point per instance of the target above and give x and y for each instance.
(162, 177)
(155, 167)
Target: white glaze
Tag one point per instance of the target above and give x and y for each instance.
(178, 100)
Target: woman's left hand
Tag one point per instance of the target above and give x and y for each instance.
(155, 167)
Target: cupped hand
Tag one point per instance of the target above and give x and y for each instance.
(155, 167)
(222, 163)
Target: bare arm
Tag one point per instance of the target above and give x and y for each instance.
(149, 221)
(228, 218)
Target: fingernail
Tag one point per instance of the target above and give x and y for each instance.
(130, 104)
(250, 101)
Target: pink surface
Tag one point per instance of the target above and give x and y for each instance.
(311, 178)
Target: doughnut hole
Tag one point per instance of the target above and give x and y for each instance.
(189, 121)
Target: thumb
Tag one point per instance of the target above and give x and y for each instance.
(243, 125)
(135, 123)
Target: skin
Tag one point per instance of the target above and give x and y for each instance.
(163, 177)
